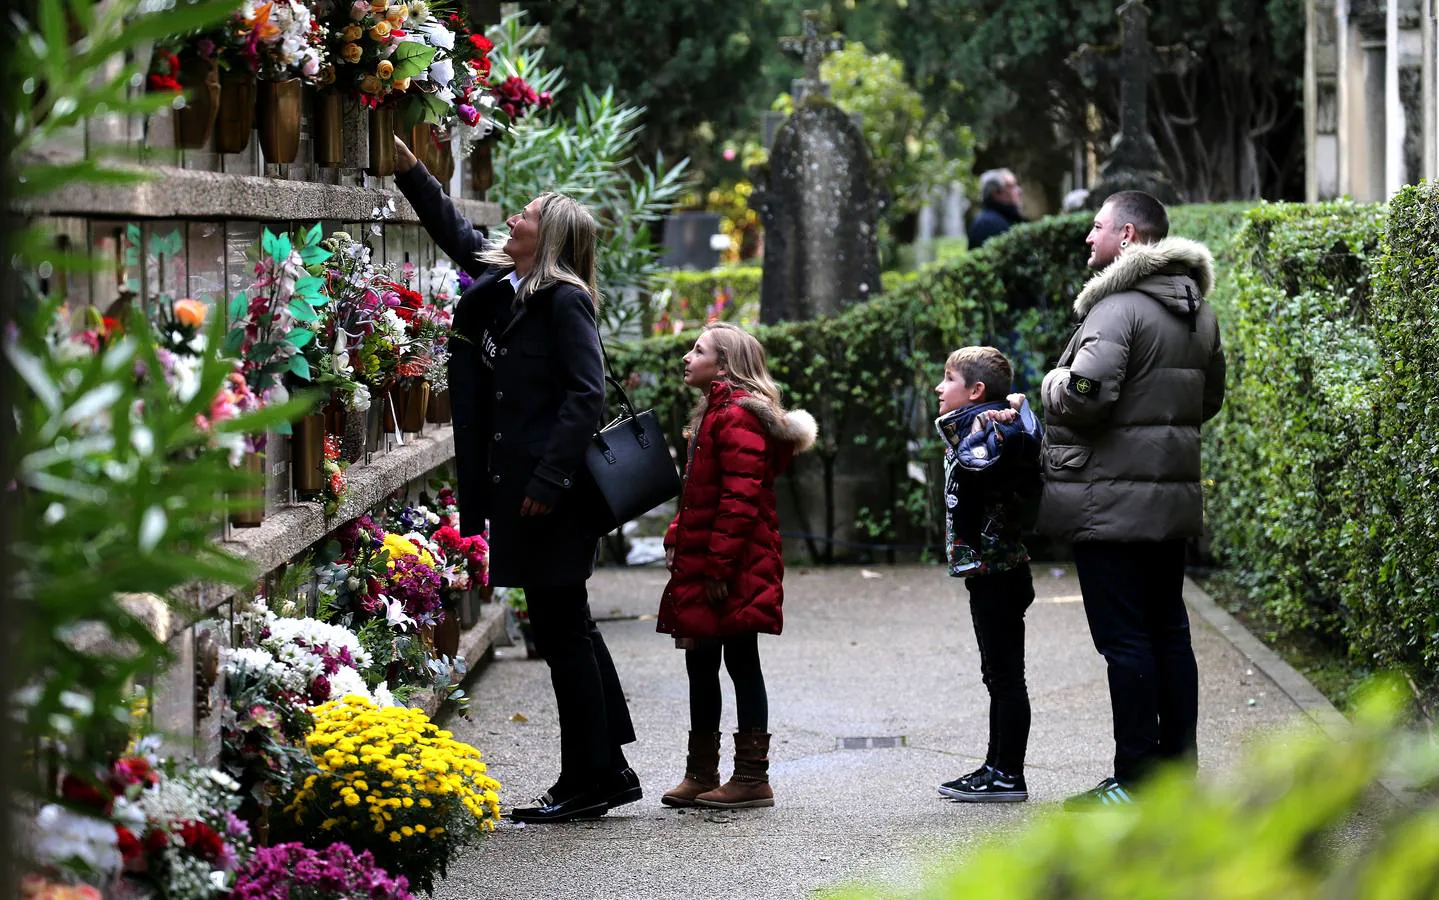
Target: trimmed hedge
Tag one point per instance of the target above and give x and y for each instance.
(1302, 365)
(1392, 592)
(868, 373)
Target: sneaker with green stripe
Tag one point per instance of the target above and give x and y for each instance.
(1108, 792)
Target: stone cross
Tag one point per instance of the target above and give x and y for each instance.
(1133, 148)
(811, 49)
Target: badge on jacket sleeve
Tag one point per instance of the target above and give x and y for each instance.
(1084, 387)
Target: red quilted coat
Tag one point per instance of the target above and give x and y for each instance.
(727, 527)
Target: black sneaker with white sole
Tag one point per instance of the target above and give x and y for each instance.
(988, 785)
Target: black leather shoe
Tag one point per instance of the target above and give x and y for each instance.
(588, 805)
(622, 788)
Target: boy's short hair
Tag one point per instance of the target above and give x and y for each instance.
(984, 365)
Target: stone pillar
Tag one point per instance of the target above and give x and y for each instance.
(1321, 98)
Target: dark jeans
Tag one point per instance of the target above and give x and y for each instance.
(594, 718)
(1134, 599)
(741, 657)
(996, 604)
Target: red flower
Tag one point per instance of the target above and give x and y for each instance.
(202, 840)
(132, 770)
(156, 841)
(482, 44)
(130, 848)
(83, 793)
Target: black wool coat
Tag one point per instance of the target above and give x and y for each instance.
(521, 427)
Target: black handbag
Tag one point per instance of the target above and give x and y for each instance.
(630, 462)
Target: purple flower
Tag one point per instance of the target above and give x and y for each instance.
(275, 872)
(468, 114)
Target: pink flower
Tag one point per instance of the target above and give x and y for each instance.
(468, 114)
(728, 154)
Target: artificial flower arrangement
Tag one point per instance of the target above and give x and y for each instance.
(179, 327)
(375, 56)
(393, 784)
(270, 323)
(335, 873)
(262, 734)
(168, 828)
(353, 282)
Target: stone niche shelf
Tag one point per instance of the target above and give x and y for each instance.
(290, 530)
(173, 193)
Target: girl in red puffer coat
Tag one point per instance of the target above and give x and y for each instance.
(726, 561)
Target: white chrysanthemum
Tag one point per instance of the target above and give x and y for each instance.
(62, 836)
(348, 681)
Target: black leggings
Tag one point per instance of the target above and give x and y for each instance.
(741, 657)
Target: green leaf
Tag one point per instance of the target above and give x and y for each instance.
(239, 305)
(299, 366)
(303, 311)
(299, 337)
(410, 59)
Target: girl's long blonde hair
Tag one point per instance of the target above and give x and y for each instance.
(742, 356)
(564, 251)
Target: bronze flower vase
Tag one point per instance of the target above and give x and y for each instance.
(307, 456)
(251, 514)
(279, 108)
(421, 139)
(236, 118)
(329, 128)
(411, 402)
(444, 159)
(375, 418)
(382, 141)
(195, 121)
(482, 169)
(439, 411)
(447, 633)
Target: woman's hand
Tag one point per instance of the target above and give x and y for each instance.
(716, 591)
(532, 507)
(405, 160)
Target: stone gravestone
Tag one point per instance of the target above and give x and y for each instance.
(1134, 162)
(817, 201)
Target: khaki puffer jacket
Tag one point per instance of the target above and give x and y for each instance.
(1122, 411)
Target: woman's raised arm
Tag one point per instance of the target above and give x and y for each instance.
(448, 227)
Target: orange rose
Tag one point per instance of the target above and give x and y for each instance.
(352, 33)
(351, 53)
(400, 85)
(380, 31)
(189, 311)
(379, 6)
(370, 84)
(385, 69)
(397, 14)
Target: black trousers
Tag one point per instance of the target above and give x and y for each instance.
(1134, 600)
(996, 605)
(741, 658)
(594, 717)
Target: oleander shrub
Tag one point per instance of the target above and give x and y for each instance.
(1298, 820)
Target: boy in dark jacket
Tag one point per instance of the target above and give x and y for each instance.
(991, 495)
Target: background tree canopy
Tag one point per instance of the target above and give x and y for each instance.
(1231, 127)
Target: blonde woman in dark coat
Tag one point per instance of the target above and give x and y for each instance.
(528, 389)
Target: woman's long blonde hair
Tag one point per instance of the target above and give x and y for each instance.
(564, 251)
(742, 356)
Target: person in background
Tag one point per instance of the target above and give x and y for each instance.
(999, 197)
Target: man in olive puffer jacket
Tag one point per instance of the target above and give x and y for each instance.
(1122, 473)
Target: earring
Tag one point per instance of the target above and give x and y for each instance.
(1124, 243)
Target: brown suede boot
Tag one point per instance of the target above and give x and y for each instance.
(749, 786)
(701, 770)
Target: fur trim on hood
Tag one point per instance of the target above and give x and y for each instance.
(795, 426)
(1172, 257)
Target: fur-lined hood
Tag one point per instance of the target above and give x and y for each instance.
(1177, 272)
(795, 427)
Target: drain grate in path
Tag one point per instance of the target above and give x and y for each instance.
(873, 743)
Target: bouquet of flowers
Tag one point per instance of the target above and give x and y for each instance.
(335, 873)
(355, 285)
(180, 343)
(392, 783)
(413, 581)
(307, 658)
(172, 828)
(263, 735)
(270, 322)
(282, 40)
(375, 56)
(336, 487)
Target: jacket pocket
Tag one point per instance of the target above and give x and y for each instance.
(1066, 457)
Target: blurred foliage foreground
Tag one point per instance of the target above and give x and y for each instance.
(1303, 817)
